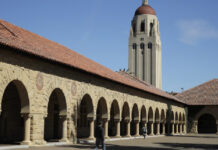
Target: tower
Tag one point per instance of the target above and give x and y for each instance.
(145, 46)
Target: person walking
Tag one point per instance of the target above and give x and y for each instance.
(144, 131)
(99, 134)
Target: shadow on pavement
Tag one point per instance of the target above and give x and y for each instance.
(186, 145)
(116, 147)
(197, 136)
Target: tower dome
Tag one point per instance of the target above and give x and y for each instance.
(145, 9)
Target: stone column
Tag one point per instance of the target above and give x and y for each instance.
(128, 129)
(152, 129)
(172, 129)
(64, 128)
(177, 125)
(181, 129)
(27, 123)
(106, 129)
(137, 128)
(196, 127)
(158, 128)
(91, 129)
(37, 128)
(184, 128)
(118, 128)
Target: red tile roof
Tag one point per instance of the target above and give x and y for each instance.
(23, 40)
(204, 94)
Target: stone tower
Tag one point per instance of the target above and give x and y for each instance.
(145, 46)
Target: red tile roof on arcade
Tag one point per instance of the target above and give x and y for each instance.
(28, 42)
(204, 94)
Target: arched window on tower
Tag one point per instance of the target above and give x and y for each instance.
(142, 46)
(151, 29)
(134, 46)
(149, 45)
(151, 69)
(143, 26)
(134, 28)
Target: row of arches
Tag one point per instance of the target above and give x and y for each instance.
(124, 121)
(15, 117)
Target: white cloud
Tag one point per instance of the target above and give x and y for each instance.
(193, 31)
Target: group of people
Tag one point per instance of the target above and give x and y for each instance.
(99, 134)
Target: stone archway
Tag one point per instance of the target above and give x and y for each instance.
(124, 127)
(102, 114)
(207, 124)
(85, 123)
(56, 120)
(157, 122)
(150, 121)
(176, 123)
(180, 123)
(172, 121)
(143, 119)
(162, 122)
(114, 123)
(134, 126)
(14, 119)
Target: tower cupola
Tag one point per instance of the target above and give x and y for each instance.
(145, 9)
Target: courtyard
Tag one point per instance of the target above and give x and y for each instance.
(177, 142)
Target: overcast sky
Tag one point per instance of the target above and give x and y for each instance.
(99, 29)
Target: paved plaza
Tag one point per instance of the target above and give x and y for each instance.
(188, 142)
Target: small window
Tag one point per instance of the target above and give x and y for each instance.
(134, 46)
(143, 26)
(150, 45)
(134, 28)
(142, 46)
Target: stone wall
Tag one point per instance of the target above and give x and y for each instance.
(40, 78)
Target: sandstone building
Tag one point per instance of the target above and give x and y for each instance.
(50, 93)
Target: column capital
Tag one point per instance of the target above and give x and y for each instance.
(26, 115)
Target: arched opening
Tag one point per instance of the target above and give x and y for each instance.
(125, 119)
(207, 124)
(157, 122)
(162, 122)
(102, 112)
(85, 115)
(143, 26)
(150, 121)
(143, 119)
(135, 119)
(172, 121)
(15, 103)
(151, 29)
(55, 122)
(184, 123)
(150, 60)
(180, 123)
(176, 123)
(114, 118)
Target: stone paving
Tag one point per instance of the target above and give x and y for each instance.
(188, 142)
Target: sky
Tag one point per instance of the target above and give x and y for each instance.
(99, 30)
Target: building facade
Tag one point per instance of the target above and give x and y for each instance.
(50, 93)
(145, 46)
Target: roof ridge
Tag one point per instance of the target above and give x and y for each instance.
(202, 84)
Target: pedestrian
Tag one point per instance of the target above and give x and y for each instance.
(144, 131)
(99, 134)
